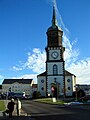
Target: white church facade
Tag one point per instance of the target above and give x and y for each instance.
(55, 80)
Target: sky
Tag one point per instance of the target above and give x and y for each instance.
(23, 27)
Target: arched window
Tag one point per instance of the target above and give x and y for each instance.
(55, 70)
(68, 88)
(42, 88)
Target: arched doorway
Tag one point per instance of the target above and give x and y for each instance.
(55, 90)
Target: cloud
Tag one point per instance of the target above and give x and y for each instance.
(17, 68)
(82, 70)
(1, 78)
(70, 54)
(77, 66)
(59, 18)
(35, 61)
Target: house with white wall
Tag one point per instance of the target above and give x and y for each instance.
(17, 86)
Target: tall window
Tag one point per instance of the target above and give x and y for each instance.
(55, 69)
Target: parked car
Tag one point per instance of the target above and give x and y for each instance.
(85, 98)
(3, 96)
(10, 95)
(16, 95)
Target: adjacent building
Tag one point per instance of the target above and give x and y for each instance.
(84, 87)
(17, 86)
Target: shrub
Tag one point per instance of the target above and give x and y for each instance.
(36, 94)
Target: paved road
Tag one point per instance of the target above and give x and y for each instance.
(41, 111)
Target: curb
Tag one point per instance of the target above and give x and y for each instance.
(83, 107)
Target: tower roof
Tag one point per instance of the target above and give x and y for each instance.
(54, 21)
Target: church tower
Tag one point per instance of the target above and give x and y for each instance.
(55, 71)
(55, 81)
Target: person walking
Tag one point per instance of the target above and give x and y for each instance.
(18, 107)
(10, 107)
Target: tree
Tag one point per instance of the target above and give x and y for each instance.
(81, 93)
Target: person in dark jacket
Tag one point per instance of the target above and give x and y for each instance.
(10, 107)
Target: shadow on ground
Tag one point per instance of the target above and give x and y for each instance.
(17, 118)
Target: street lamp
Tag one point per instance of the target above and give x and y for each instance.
(76, 89)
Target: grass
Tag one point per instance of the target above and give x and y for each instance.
(2, 105)
(50, 101)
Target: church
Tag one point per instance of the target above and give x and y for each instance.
(55, 81)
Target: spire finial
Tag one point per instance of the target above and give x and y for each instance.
(54, 22)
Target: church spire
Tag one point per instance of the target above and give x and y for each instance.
(54, 21)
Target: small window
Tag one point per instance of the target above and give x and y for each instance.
(68, 80)
(68, 88)
(42, 88)
(42, 81)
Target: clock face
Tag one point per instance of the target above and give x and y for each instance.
(54, 54)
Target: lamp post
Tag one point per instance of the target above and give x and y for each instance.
(76, 87)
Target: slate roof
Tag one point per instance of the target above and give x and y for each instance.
(67, 73)
(23, 81)
(42, 74)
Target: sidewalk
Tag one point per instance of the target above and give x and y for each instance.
(83, 106)
(23, 115)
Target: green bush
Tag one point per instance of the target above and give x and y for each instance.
(36, 94)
